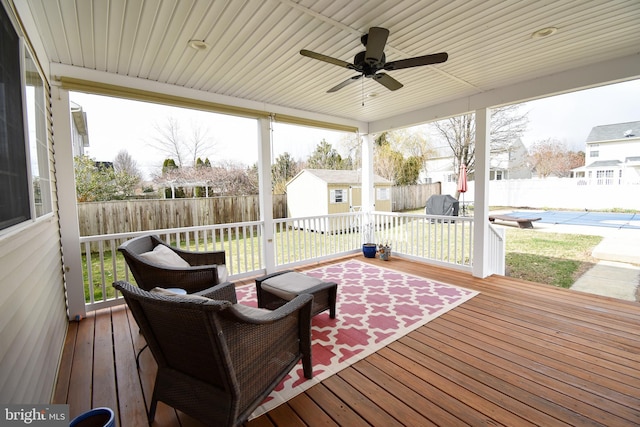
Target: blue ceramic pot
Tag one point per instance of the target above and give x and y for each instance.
(98, 417)
(369, 250)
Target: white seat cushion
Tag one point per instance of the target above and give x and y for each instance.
(240, 308)
(170, 293)
(222, 273)
(165, 257)
(289, 285)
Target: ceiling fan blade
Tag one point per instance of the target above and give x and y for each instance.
(387, 81)
(376, 39)
(325, 58)
(344, 83)
(418, 61)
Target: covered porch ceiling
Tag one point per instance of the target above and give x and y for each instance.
(253, 61)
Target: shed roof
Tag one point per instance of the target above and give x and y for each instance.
(348, 177)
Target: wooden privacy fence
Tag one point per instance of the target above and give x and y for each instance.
(97, 218)
(126, 216)
(413, 196)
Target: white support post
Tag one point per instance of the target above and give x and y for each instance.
(67, 207)
(368, 193)
(266, 193)
(481, 251)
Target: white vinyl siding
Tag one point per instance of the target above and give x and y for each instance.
(32, 313)
(33, 310)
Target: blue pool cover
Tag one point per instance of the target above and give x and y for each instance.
(594, 219)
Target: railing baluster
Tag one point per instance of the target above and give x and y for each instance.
(298, 240)
(103, 285)
(87, 254)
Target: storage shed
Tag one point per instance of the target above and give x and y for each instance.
(314, 192)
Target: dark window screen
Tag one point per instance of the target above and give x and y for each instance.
(14, 184)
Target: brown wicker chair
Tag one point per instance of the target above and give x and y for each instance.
(218, 360)
(202, 273)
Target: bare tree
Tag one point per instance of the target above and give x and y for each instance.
(552, 157)
(507, 125)
(127, 174)
(169, 141)
(123, 162)
(183, 146)
(200, 144)
(351, 144)
(222, 179)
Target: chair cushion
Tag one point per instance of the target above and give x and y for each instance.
(162, 255)
(289, 285)
(169, 293)
(242, 309)
(250, 311)
(222, 273)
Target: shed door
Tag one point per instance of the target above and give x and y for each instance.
(355, 198)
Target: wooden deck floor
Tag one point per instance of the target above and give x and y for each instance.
(518, 354)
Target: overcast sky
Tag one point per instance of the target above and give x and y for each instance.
(115, 124)
(571, 117)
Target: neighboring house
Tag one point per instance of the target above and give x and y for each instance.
(510, 163)
(439, 167)
(79, 130)
(314, 192)
(612, 155)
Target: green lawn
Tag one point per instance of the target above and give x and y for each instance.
(291, 246)
(551, 258)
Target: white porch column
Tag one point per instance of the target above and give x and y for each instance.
(368, 195)
(481, 196)
(266, 193)
(67, 208)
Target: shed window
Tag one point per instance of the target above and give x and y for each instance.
(338, 196)
(382, 194)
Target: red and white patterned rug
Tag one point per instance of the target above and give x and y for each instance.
(375, 307)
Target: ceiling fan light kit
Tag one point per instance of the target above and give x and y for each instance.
(371, 61)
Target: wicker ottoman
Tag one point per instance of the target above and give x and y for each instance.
(275, 290)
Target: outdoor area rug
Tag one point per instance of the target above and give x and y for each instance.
(375, 307)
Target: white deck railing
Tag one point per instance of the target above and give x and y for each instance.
(240, 241)
(497, 250)
(438, 239)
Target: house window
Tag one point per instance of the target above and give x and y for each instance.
(38, 144)
(338, 196)
(594, 153)
(24, 168)
(604, 177)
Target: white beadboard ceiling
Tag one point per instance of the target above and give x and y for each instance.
(254, 46)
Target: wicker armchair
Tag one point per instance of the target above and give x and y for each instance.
(202, 272)
(218, 360)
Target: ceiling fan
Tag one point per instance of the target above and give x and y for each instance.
(372, 60)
